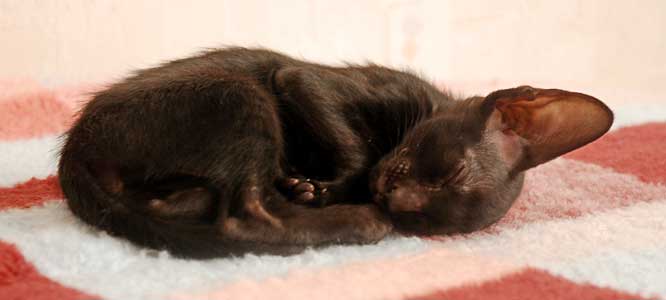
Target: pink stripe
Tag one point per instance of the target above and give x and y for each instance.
(638, 150)
(530, 284)
(567, 188)
(38, 115)
(385, 279)
(29, 110)
(17, 88)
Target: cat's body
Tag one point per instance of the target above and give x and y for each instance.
(206, 156)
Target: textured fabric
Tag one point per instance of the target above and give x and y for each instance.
(20, 280)
(589, 225)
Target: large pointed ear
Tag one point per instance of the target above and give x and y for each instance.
(541, 124)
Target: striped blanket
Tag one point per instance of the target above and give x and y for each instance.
(590, 225)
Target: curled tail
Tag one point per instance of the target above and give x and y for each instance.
(119, 216)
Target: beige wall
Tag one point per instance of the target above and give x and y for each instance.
(475, 45)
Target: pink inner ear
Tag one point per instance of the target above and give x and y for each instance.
(528, 118)
(509, 145)
(550, 123)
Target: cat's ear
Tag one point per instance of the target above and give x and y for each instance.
(533, 126)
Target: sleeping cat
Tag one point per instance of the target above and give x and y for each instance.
(248, 150)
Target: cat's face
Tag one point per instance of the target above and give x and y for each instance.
(462, 169)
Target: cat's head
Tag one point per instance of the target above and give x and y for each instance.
(462, 169)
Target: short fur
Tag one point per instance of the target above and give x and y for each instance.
(206, 156)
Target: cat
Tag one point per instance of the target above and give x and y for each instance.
(239, 150)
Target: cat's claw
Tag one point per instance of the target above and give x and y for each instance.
(303, 190)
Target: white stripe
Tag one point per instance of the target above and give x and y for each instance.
(622, 248)
(67, 251)
(23, 159)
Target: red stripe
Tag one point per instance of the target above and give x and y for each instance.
(527, 285)
(33, 192)
(638, 150)
(20, 280)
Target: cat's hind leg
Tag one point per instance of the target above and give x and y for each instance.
(236, 144)
(280, 226)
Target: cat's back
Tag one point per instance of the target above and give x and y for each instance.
(182, 79)
(220, 64)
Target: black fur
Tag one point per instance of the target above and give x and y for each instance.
(205, 156)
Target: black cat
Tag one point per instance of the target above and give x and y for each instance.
(247, 150)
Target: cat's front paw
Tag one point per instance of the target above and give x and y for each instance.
(304, 190)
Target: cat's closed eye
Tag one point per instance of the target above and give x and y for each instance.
(452, 178)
